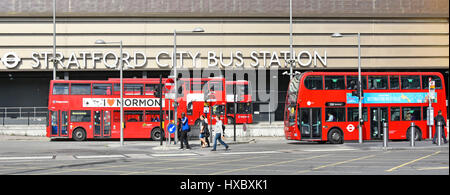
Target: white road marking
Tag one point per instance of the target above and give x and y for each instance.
(100, 156)
(138, 156)
(261, 152)
(27, 158)
(180, 154)
(329, 150)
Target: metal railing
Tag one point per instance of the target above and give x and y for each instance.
(23, 115)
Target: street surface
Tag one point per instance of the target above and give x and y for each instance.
(20, 155)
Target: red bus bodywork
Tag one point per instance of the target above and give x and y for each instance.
(399, 100)
(244, 113)
(202, 96)
(92, 108)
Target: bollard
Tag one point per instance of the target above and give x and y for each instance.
(411, 138)
(439, 132)
(385, 135)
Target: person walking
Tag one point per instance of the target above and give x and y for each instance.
(203, 129)
(441, 119)
(184, 131)
(218, 133)
(207, 134)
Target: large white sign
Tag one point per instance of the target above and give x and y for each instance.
(115, 102)
(139, 59)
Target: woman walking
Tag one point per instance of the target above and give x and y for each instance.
(218, 133)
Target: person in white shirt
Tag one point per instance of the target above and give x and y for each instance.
(330, 117)
(217, 132)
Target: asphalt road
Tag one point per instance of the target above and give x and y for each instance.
(268, 156)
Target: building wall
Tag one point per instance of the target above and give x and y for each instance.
(402, 43)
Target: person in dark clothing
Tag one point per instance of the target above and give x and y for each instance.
(204, 130)
(440, 118)
(184, 131)
(179, 129)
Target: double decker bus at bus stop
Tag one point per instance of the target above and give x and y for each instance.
(88, 109)
(320, 105)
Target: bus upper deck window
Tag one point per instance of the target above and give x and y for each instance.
(378, 82)
(394, 82)
(101, 89)
(334, 82)
(314, 82)
(410, 82)
(61, 89)
(436, 79)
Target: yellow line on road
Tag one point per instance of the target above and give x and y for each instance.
(193, 165)
(432, 168)
(265, 165)
(413, 161)
(343, 162)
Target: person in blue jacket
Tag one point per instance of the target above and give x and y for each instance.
(184, 131)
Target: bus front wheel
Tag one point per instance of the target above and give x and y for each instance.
(335, 136)
(79, 134)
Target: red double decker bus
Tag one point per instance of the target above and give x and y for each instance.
(202, 96)
(320, 105)
(244, 111)
(89, 109)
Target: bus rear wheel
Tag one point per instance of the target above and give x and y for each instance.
(335, 136)
(156, 134)
(417, 134)
(79, 134)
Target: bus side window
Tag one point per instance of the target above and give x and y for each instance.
(411, 113)
(394, 82)
(314, 82)
(101, 89)
(436, 79)
(395, 114)
(410, 82)
(61, 89)
(334, 82)
(378, 82)
(353, 80)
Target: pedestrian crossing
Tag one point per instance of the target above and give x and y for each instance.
(125, 156)
(156, 155)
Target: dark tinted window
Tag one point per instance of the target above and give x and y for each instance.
(378, 82)
(133, 89)
(353, 80)
(334, 82)
(410, 82)
(394, 82)
(314, 82)
(353, 114)
(80, 89)
(395, 114)
(335, 114)
(436, 79)
(61, 89)
(411, 113)
(101, 89)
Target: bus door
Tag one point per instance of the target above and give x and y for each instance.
(378, 116)
(59, 123)
(310, 123)
(102, 123)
